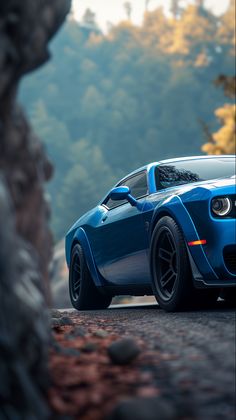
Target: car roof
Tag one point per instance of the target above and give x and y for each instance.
(173, 160)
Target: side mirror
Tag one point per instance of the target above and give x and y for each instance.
(123, 193)
(120, 193)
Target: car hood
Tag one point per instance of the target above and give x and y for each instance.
(197, 190)
(209, 185)
(219, 183)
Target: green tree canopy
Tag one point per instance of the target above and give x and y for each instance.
(108, 103)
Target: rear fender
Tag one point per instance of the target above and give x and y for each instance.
(175, 208)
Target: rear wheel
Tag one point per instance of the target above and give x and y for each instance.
(172, 276)
(83, 293)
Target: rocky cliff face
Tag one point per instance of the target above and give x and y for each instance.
(25, 240)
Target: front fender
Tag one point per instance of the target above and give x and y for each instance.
(175, 208)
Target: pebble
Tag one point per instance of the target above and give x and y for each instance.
(70, 351)
(89, 348)
(55, 313)
(55, 322)
(123, 351)
(101, 333)
(79, 332)
(76, 332)
(65, 320)
(61, 322)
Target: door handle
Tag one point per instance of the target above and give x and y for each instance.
(104, 218)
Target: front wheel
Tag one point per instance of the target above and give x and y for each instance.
(172, 277)
(84, 294)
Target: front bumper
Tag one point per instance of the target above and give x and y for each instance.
(209, 262)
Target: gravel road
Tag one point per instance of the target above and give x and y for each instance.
(196, 349)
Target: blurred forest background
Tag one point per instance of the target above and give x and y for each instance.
(109, 103)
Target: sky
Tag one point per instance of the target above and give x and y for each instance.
(113, 10)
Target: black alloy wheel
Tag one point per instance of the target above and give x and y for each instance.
(167, 263)
(84, 294)
(76, 278)
(171, 273)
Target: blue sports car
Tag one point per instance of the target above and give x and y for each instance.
(167, 229)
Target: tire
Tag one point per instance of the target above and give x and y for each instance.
(171, 272)
(84, 294)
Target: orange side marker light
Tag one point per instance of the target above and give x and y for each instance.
(200, 242)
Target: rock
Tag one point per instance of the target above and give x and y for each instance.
(101, 333)
(55, 346)
(66, 320)
(123, 351)
(24, 324)
(61, 322)
(25, 29)
(56, 314)
(55, 322)
(68, 351)
(25, 238)
(78, 332)
(154, 408)
(89, 348)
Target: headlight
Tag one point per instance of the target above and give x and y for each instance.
(221, 206)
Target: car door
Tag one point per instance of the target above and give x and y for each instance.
(122, 238)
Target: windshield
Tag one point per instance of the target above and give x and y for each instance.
(185, 172)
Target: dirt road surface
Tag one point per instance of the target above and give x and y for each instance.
(186, 363)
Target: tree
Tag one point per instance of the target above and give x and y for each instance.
(87, 180)
(89, 18)
(147, 2)
(228, 83)
(128, 9)
(200, 3)
(223, 140)
(120, 100)
(174, 8)
(157, 32)
(226, 30)
(194, 37)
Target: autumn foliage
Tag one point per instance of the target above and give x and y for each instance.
(223, 140)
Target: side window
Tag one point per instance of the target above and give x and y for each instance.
(138, 185)
(138, 188)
